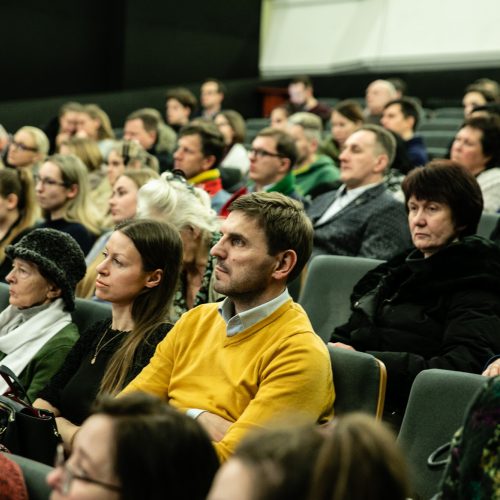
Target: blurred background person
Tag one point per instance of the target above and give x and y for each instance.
(94, 123)
(232, 127)
(28, 148)
(180, 106)
(476, 95)
(301, 94)
(279, 117)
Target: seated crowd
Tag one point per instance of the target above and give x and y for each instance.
(191, 234)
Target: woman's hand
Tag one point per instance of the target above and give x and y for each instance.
(342, 346)
(67, 430)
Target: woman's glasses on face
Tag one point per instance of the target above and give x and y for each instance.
(23, 147)
(69, 475)
(47, 181)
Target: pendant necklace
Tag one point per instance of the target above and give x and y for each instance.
(100, 347)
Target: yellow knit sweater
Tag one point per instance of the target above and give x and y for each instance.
(275, 368)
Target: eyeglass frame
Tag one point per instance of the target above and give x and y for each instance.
(69, 475)
(47, 181)
(23, 147)
(262, 153)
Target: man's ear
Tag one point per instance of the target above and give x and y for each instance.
(285, 262)
(207, 163)
(381, 164)
(154, 278)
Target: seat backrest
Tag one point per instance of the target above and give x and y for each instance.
(87, 312)
(487, 223)
(359, 380)
(4, 295)
(35, 475)
(328, 287)
(438, 403)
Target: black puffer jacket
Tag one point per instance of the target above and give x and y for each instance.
(439, 312)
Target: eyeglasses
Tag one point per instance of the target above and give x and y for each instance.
(262, 153)
(47, 181)
(178, 175)
(23, 147)
(69, 475)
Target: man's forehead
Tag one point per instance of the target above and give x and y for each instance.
(266, 142)
(362, 138)
(192, 141)
(239, 222)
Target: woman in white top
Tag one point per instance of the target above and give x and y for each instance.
(232, 127)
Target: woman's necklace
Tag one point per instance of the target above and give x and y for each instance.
(100, 347)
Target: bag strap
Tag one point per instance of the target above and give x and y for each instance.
(435, 460)
(14, 383)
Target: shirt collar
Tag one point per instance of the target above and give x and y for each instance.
(236, 323)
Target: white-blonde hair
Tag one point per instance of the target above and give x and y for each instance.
(172, 199)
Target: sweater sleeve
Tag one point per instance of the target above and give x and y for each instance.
(298, 375)
(52, 391)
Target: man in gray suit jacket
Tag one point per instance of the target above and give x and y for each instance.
(361, 218)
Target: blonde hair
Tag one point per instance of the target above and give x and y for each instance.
(77, 209)
(40, 139)
(134, 155)
(20, 183)
(87, 150)
(105, 130)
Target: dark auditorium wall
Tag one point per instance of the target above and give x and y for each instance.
(61, 48)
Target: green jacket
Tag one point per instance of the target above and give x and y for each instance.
(322, 171)
(47, 360)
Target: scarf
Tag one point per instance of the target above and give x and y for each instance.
(21, 343)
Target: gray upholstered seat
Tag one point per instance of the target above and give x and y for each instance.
(487, 224)
(359, 380)
(327, 290)
(438, 402)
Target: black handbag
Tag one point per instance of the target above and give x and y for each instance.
(24, 430)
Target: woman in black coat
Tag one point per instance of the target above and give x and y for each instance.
(437, 306)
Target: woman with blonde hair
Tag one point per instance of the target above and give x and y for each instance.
(17, 196)
(138, 276)
(62, 191)
(122, 204)
(187, 208)
(28, 148)
(94, 123)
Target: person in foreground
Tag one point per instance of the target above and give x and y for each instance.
(437, 306)
(138, 276)
(135, 447)
(36, 329)
(238, 364)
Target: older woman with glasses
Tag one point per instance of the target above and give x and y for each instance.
(135, 447)
(187, 208)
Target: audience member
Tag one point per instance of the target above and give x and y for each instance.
(477, 148)
(122, 205)
(314, 173)
(4, 143)
(270, 464)
(88, 151)
(401, 116)
(347, 117)
(473, 469)
(19, 211)
(279, 118)
(180, 105)
(438, 305)
(136, 447)
(490, 86)
(272, 157)
(212, 94)
(238, 364)
(378, 94)
(138, 277)
(232, 127)
(301, 92)
(94, 123)
(475, 95)
(187, 208)
(62, 191)
(361, 218)
(199, 152)
(65, 126)
(28, 148)
(400, 86)
(359, 460)
(146, 127)
(36, 330)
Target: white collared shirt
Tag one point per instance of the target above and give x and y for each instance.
(343, 198)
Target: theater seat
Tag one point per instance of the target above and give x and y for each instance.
(87, 312)
(438, 402)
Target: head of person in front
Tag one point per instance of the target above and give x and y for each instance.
(255, 256)
(135, 447)
(138, 277)
(36, 330)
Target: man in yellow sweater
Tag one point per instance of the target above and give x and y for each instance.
(239, 364)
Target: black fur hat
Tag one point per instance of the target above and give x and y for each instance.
(58, 256)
